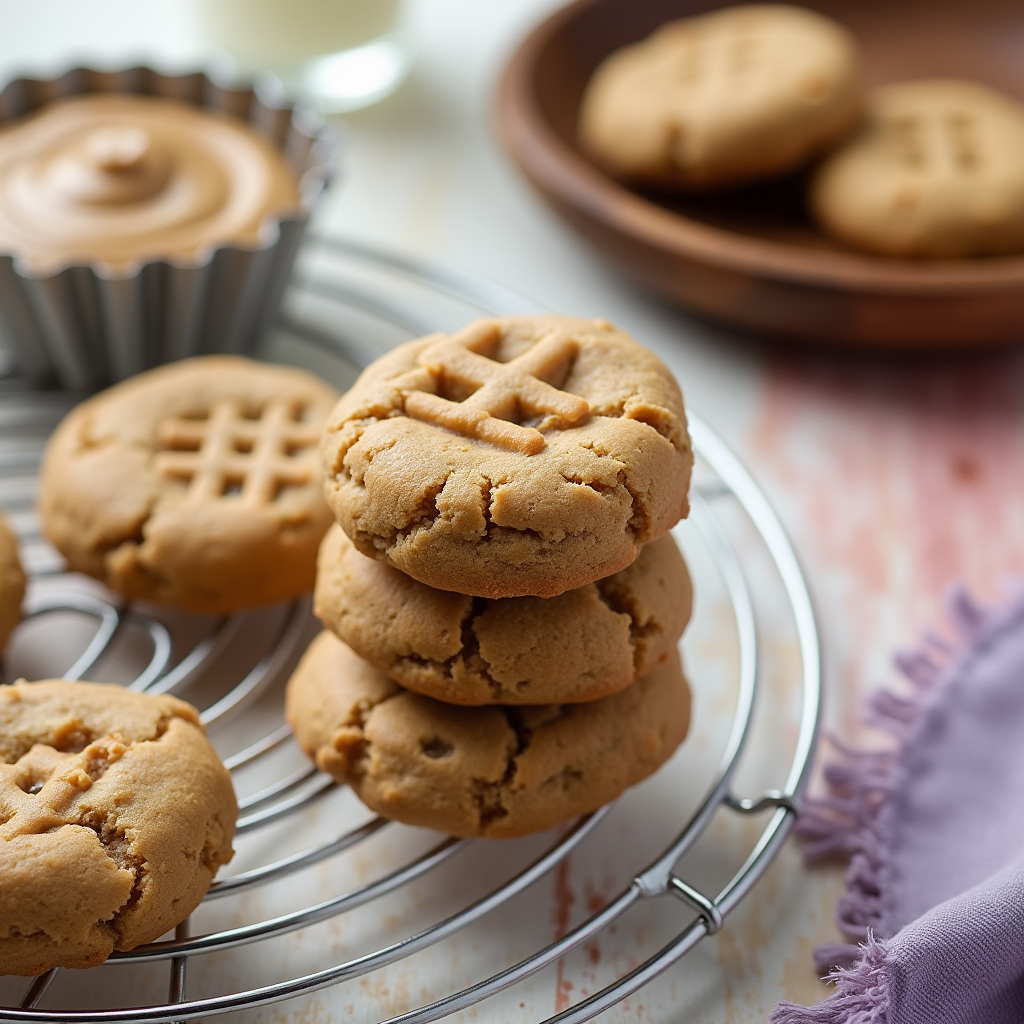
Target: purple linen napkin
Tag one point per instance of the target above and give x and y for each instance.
(934, 834)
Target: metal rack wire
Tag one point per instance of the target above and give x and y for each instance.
(25, 420)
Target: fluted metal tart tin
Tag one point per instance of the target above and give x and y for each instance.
(86, 325)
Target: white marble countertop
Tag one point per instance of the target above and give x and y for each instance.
(892, 476)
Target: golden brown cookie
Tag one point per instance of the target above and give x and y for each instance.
(196, 484)
(12, 582)
(116, 814)
(938, 170)
(722, 98)
(524, 456)
(488, 771)
(579, 646)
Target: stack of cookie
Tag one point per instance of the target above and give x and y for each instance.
(502, 602)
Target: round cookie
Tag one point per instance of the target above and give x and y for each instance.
(523, 456)
(723, 98)
(579, 646)
(116, 813)
(490, 771)
(196, 484)
(12, 582)
(937, 171)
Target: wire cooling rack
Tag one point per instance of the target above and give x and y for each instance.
(348, 304)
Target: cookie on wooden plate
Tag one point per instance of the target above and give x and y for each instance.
(484, 771)
(520, 456)
(116, 815)
(196, 484)
(12, 582)
(937, 171)
(579, 646)
(723, 98)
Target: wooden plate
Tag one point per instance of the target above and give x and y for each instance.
(753, 257)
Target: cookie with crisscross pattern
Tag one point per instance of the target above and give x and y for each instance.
(936, 171)
(115, 814)
(725, 97)
(524, 456)
(197, 484)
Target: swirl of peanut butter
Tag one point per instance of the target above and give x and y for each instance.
(115, 179)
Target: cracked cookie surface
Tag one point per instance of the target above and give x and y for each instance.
(196, 484)
(12, 582)
(579, 646)
(115, 813)
(487, 771)
(520, 456)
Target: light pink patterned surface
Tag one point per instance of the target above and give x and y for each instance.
(896, 478)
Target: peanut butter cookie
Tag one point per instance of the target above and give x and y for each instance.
(579, 646)
(196, 484)
(116, 814)
(524, 456)
(12, 582)
(488, 771)
(938, 171)
(723, 98)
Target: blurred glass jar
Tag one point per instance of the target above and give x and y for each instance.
(340, 54)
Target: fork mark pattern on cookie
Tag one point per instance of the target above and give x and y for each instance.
(229, 455)
(742, 55)
(949, 143)
(499, 395)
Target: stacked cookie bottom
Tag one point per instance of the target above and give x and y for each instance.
(492, 717)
